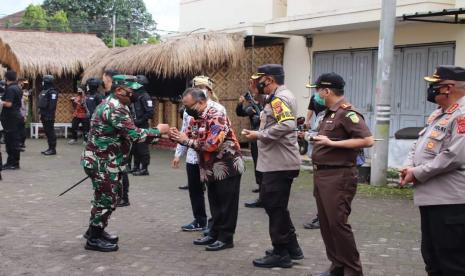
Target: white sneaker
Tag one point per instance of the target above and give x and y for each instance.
(72, 142)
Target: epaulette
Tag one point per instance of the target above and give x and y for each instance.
(346, 106)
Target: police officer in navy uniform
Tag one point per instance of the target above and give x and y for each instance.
(143, 112)
(341, 134)
(48, 99)
(436, 166)
(279, 162)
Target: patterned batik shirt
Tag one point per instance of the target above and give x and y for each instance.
(111, 135)
(216, 144)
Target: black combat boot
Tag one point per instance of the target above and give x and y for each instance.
(105, 235)
(96, 241)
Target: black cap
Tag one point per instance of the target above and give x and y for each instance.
(447, 72)
(268, 70)
(328, 80)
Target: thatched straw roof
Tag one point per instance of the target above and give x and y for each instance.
(34, 53)
(180, 56)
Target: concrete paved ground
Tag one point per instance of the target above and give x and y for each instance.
(40, 234)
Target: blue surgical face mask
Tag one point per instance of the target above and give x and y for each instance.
(319, 100)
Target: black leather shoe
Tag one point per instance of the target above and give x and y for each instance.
(99, 244)
(10, 167)
(49, 152)
(294, 253)
(255, 204)
(123, 203)
(141, 172)
(337, 271)
(314, 224)
(204, 241)
(105, 235)
(273, 260)
(183, 187)
(219, 245)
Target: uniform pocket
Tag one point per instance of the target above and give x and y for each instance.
(434, 142)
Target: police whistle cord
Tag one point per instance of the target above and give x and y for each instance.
(70, 188)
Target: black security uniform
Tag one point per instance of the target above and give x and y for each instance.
(94, 97)
(48, 99)
(252, 110)
(143, 111)
(10, 118)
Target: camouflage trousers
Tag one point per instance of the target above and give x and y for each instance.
(106, 186)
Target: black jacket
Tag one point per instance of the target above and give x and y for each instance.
(48, 99)
(93, 99)
(252, 111)
(143, 109)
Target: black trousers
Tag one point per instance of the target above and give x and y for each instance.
(12, 141)
(123, 192)
(443, 239)
(49, 129)
(223, 197)
(254, 152)
(196, 193)
(141, 152)
(85, 122)
(274, 192)
(22, 132)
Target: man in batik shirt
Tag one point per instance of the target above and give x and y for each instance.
(220, 162)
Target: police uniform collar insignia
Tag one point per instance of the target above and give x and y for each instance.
(345, 106)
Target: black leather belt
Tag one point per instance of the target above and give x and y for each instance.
(329, 167)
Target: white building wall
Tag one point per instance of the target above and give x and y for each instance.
(297, 69)
(301, 7)
(220, 14)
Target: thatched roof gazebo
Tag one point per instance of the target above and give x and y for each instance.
(65, 55)
(179, 56)
(32, 53)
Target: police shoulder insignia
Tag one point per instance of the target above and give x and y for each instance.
(353, 117)
(281, 111)
(461, 125)
(345, 106)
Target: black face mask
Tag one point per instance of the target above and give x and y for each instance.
(433, 91)
(193, 112)
(261, 87)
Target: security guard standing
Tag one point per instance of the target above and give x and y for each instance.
(341, 134)
(279, 162)
(94, 98)
(247, 106)
(143, 112)
(47, 106)
(436, 166)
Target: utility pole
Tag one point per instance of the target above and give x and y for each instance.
(379, 159)
(114, 23)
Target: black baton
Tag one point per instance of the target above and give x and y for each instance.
(80, 181)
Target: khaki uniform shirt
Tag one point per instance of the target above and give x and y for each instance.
(340, 122)
(277, 139)
(439, 158)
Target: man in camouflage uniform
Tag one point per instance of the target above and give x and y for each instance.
(104, 158)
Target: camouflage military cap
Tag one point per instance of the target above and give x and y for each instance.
(127, 81)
